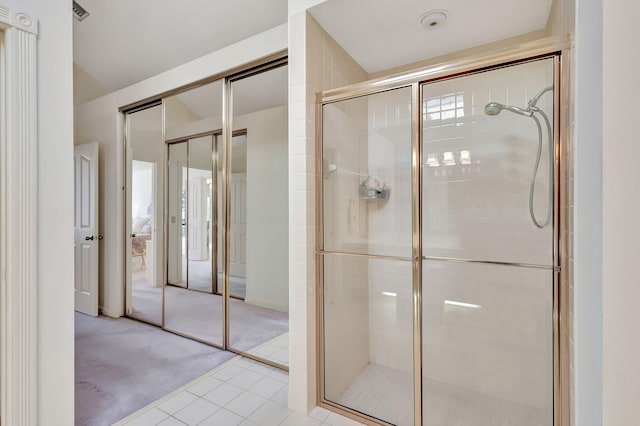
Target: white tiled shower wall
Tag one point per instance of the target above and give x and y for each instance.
(480, 210)
(316, 63)
(477, 212)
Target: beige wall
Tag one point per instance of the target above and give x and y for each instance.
(316, 63)
(620, 212)
(267, 211)
(85, 87)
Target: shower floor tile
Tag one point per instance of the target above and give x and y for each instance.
(387, 394)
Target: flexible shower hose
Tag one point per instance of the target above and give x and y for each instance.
(535, 169)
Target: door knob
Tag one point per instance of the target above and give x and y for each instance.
(100, 237)
(91, 238)
(133, 235)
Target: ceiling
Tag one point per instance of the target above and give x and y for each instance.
(384, 34)
(256, 93)
(123, 42)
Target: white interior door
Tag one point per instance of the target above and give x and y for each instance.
(175, 249)
(238, 231)
(197, 223)
(86, 228)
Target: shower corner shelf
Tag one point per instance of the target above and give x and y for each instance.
(372, 194)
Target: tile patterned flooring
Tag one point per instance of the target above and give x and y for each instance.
(382, 392)
(239, 392)
(276, 349)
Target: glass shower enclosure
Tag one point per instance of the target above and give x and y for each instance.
(437, 248)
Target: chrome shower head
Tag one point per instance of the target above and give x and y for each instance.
(494, 108)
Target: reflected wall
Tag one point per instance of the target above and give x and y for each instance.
(259, 217)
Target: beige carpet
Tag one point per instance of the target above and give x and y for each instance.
(122, 365)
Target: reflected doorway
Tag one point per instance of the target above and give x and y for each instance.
(144, 203)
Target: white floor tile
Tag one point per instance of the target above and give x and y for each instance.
(320, 413)
(195, 413)
(281, 355)
(150, 418)
(265, 350)
(245, 404)
(297, 419)
(245, 379)
(227, 372)
(222, 417)
(267, 387)
(270, 414)
(260, 368)
(282, 341)
(283, 376)
(178, 402)
(223, 394)
(282, 397)
(244, 363)
(248, 422)
(170, 421)
(337, 420)
(205, 386)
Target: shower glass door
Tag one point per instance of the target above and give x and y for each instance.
(487, 279)
(367, 256)
(437, 248)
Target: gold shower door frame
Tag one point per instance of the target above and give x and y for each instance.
(554, 47)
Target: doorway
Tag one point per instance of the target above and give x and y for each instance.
(207, 213)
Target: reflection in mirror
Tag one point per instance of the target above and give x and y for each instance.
(238, 225)
(177, 178)
(193, 296)
(258, 234)
(144, 204)
(200, 224)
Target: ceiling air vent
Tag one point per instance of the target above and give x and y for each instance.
(79, 11)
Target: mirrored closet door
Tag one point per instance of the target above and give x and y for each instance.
(144, 214)
(259, 217)
(193, 294)
(212, 214)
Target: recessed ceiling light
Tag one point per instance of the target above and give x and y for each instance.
(433, 19)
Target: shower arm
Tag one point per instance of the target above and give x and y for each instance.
(531, 106)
